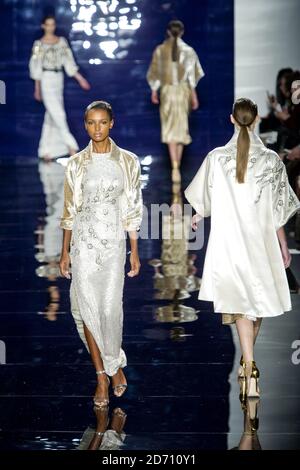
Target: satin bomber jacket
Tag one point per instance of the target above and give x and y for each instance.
(131, 199)
(160, 72)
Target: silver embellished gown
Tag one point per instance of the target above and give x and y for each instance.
(98, 250)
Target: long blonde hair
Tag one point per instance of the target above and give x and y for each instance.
(244, 112)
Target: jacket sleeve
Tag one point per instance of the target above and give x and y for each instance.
(68, 60)
(199, 191)
(69, 210)
(133, 205)
(195, 70)
(35, 62)
(153, 74)
(284, 201)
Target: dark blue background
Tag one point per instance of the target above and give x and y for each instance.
(209, 29)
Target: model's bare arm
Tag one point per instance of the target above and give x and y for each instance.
(134, 256)
(64, 263)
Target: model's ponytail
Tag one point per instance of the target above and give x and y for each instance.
(175, 29)
(244, 112)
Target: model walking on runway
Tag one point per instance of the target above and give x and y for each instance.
(175, 71)
(50, 55)
(102, 200)
(243, 186)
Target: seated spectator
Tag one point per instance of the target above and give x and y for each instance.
(281, 102)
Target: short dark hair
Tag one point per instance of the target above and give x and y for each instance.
(100, 105)
(48, 17)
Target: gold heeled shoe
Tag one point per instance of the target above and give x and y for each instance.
(101, 402)
(249, 381)
(176, 176)
(252, 389)
(241, 371)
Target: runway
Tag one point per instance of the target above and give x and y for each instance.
(183, 392)
(182, 363)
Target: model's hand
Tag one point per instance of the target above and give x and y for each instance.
(195, 220)
(64, 265)
(135, 265)
(37, 94)
(194, 101)
(286, 256)
(84, 84)
(154, 97)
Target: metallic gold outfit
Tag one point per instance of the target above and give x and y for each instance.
(175, 80)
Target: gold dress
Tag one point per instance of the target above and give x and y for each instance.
(175, 81)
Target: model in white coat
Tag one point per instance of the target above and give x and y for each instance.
(244, 187)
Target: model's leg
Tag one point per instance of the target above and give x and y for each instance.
(101, 393)
(257, 325)
(102, 418)
(176, 178)
(245, 329)
(111, 308)
(179, 153)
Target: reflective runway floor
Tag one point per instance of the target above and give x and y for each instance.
(182, 363)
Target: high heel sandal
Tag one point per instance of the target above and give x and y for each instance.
(241, 371)
(252, 389)
(249, 386)
(176, 176)
(118, 425)
(119, 390)
(100, 402)
(253, 416)
(119, 412)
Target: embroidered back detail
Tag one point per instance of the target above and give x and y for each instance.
(228, 159)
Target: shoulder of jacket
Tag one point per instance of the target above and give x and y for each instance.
(187, 47)
(216, 152)
(158, 48)
(129, 155)
(76, 158)
(271, 156)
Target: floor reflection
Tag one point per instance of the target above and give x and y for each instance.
(174, 272)
(249, 439)
(109, 431)
(49, 234)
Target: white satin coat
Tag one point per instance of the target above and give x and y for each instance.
(243, 270)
